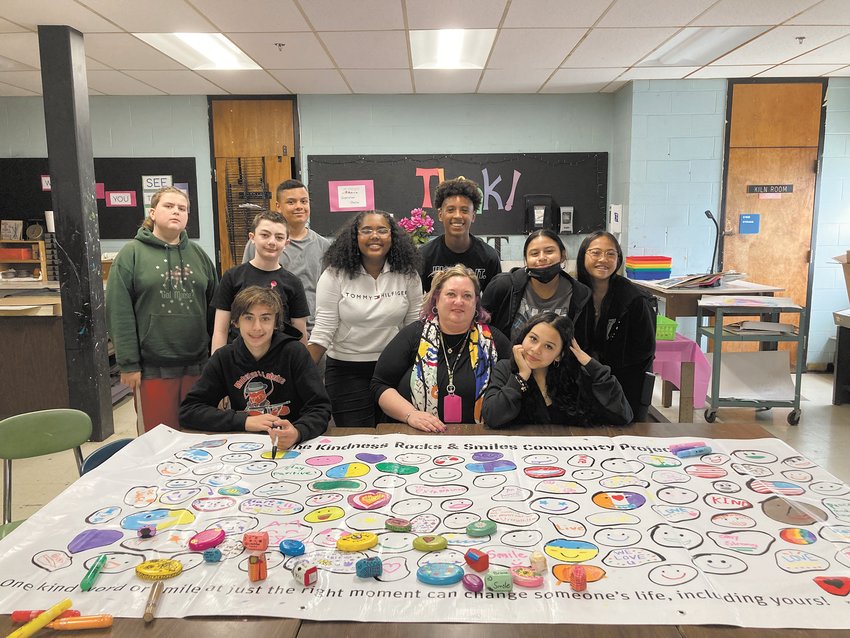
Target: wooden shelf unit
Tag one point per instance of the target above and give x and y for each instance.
(37, 261)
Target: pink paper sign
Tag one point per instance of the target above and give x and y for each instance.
(351, 195)
(121, 198)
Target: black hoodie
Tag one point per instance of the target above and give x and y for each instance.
(285, 382)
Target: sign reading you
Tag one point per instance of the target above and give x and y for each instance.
(770, 188)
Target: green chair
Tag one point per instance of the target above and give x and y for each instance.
(24, 436)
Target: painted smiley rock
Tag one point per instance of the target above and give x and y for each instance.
(103, 515)
(320, 461)
(396, 468)
(570, 551)
(797, 536)
(371, 459)
(784, 488)
(487, 456)
(270, 506)
(213, 503)
(337, 485)
(544, 471)
(501, 465)
(447, 460)
(325, 514)
(702, 470)
(618, 500)
(160, 518)
(509, 516)
(369, 500)
(348, 470)
(91, 538)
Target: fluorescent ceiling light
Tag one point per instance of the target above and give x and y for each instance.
(200, 51)
(697, 46)
(451, 48)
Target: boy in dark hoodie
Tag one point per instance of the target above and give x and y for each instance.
(268, 375)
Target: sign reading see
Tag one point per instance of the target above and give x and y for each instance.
(770, 188)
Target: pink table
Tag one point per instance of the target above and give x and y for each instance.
(669, 357)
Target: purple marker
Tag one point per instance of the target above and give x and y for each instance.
(694, 451)
(685, 446)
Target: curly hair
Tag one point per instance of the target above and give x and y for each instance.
(458, 186)
(581, 270)
(344, 253)
(429, 303)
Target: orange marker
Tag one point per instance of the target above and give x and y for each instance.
(82, 622)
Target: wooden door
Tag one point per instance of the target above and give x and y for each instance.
(251, 130)
(773, 142)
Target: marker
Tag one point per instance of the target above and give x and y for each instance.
(42, 620)
(694, 451)
(25, 615)
(82, 622)
(685, 446)
(153, 600)
(93, 573)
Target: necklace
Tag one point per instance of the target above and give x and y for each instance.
(450, 367)
(450, 348)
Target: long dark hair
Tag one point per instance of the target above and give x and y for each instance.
(344, 253)
(584, 276)
(562, 383)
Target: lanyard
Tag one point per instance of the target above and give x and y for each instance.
(450, 388)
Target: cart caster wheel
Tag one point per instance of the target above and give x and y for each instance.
(710, 416)
(794, 417)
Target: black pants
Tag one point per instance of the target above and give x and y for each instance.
(347, 383)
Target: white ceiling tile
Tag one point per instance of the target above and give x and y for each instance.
(7, 90)
(658, 13)
(842, 72)
(244, 82)
(616, 47)
(22, 47)
(446, 81)
(13, 65)
(254, 16)
(124, 51)
(177, 82)
(94, 92)
(826, 12)
(613, 87)
(799, 70)
(317, 81)
(837, 52)
(581, 80)
(28, 80)
(299, 50)
(92, 64)
(513, 80)
(533, 48)
(721, 71)
(751, 12)
(383, 81)
(9, 27)
(554, 13)
(657, 73)
(332, 15)
(444, 14)
(31, 13)
(117, 83)
(152, 16)
(781, 44)
(367, 49)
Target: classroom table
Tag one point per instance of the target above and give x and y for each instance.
(257, 627)
(682, 302)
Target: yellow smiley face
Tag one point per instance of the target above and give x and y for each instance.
(325, 514)
(569, 551)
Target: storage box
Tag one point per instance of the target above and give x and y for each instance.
(16, 253)
(844, 260)
(665, 329)
(648, 267)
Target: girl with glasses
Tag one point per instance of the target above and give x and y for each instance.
(621, 325)
(368, 292)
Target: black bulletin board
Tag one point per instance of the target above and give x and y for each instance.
(21, 195)
(573, 179)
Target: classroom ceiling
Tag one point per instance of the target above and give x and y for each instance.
(361, 46)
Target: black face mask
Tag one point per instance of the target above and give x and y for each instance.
(544, 275)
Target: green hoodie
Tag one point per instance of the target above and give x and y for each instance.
(157, 298)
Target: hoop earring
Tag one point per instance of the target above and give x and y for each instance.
(556, 363)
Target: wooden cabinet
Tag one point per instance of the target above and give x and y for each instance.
(23, 256)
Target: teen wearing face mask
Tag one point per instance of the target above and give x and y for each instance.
(542, 286)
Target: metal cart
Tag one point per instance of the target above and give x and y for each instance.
(768, 308)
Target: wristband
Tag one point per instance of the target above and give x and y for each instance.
(407, 418)
(523, 385)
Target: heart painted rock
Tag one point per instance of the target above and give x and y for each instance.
(835, 585)
(370, 500)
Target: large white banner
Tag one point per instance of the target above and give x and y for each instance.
(752, 534)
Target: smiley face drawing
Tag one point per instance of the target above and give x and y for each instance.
(672, 575)
(671, 536)
(792, 513)
(522, 538)
(617, 536)
(829, 488)
(719, 564)
(755, 456)
(570, 551)
(325, 514)
(676, 495)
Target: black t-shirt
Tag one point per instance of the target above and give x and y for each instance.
(396, 363)
(287, 285)
(481, 257)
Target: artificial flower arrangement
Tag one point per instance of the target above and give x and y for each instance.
(419, 226)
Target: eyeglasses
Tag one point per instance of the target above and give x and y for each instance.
(595, 253)
(365, 231)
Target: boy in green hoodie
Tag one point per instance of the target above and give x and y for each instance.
(157, 297)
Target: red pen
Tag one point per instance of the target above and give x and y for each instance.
(25, 615)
